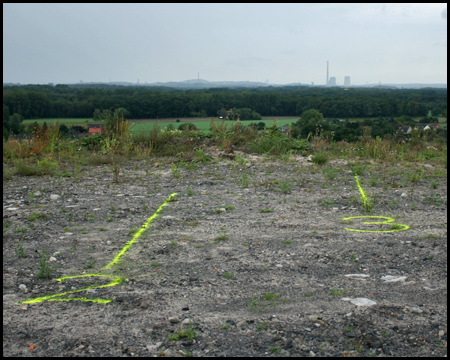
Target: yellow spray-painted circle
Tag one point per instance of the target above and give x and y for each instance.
(115, 279)
(389, 220)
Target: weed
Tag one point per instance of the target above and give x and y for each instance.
(396, 227)
(22, 230)
(228, 275)
(326, 202)
(173, 243)
(274, 349)
(431, 236)
(45, 270)
(102, 229)
(226, 326)
(180, 334)
(244, 181)
(175, 171)
(320, 158)
(287, 241)
(20, 252)
(352, 257)
(222, 237)
(260, 326)
(338, 292)
(189, 191)
(271, 296)
(348, 328)
(308, 294)
(266, 210)
(285, 187)
(5, 225)
(89, 265)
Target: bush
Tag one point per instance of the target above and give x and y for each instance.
(320, 158)
(277, 144)
(187, 126)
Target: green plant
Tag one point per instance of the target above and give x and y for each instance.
(226, 326)
(308, 294)
(320, 158)
(274, 349)
(189, 191)
(180, 334)
(330, 173)
(266, 210)
(285, 187)
(45, 270)
(173, 243)
(22, 230)
(102, 229)
(261, 326)
(244, 181)
(287, 241)
(228, 275)
(175, 171)
(338, 292)
(222, 237)
(89, 265)
(271, 296)
(20, 252)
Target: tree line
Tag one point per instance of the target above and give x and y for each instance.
(64, 101)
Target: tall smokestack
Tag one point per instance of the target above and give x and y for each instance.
(327, 74)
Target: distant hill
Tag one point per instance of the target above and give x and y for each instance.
(205, 84)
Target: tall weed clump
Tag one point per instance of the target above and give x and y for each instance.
(274, 142)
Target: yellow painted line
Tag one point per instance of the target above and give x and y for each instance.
(116, 279)
(139, 233)
(388, 221)
(363, 195)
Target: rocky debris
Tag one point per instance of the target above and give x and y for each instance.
(286, 281)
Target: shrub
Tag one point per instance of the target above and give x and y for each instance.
(187, 126)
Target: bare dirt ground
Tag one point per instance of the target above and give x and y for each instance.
(252, 259)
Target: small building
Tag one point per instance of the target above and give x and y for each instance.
(405, 129)
(95, 128)
(435, 126)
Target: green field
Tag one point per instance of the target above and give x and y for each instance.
(141, 126)
(203, 125)
(67, 122)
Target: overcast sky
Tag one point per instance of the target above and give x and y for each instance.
(278, 43)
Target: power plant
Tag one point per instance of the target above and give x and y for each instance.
(331, 81)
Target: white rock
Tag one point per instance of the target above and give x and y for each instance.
(360, 301)
(52, 258)
(393, 278)
(174, 319)
(54, 197)
(23, 287)
(357, 275)
(109, 242)
(186, 321)
(404, 195)
(441, 333)
(37, 193)
(12, 208)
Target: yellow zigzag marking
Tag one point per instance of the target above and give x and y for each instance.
(116, 279)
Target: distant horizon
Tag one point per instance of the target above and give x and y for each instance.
(193, 81)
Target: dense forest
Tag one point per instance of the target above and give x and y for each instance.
(71, 101)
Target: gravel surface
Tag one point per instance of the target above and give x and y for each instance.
(254, 258)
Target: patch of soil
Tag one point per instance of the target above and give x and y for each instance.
(253, 259)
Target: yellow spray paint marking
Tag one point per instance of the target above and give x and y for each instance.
(363, 195)
(116, 279)
(389, 220)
